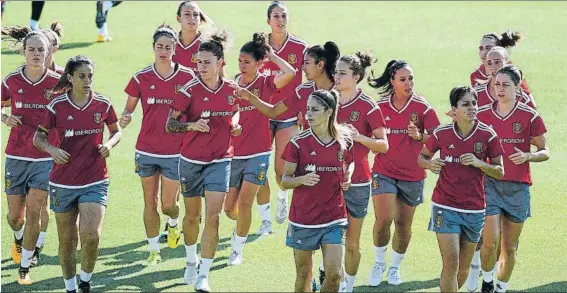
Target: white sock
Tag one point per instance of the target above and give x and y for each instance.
(26, 258)
(500, 286)
(282, 194)
(172, 222)
(488, 276)
(380, 254)
(103, 30)
(19, 234)
(396, 259)
(265, 212)
(238, 244)
(71, 284)
(34, 24)
(205, 266)
(154, 243)
(191, 253)
(85, 277)
(40, 239)
(106, 5)
(349, 282)
(476, 258)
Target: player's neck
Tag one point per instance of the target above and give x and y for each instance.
(34, 73)
(323, 82)
(322, 133)
(277, 40)
(212, 83)
(79, 98)
(347, 95)
(187, 37)
(464, 127)
(401, 99)
(165, 68)
(503, 108)
(248, 77)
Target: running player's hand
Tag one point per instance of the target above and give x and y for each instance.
(125, 119)
(413, 132)
(345, 185)
(241, 92)
(104, 151)
(236, 129)
(13, 121)
(469, 159)
(436, 165)
(519, 157)
(60, 156)
(270, 52)
(310, 179)
(200, 126)
(354, 132)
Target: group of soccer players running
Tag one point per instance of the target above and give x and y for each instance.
(204, 134)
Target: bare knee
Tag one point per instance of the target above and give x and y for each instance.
(15, 219)
(509, 251)
(90, 237)
(168, 209)
(231, 213)
(403, 228)
(489, 245)
(333, 276)
(191, 220)
(212, 218)
(352, 247)
(383, 224)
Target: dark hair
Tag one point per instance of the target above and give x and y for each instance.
(383, 82)
(183, 3)
(358, 63)
(329, 99)
(507, 39)
(164, 30)
(258, 47)
(54, 33)
(74, 62)
(457, 93)
(21, 34)
(216, 43)
(512, 71)
(328, 53)
(275, 4)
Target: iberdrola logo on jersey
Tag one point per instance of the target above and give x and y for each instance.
(69, 133)
(310, 168)
(206, 114)
(19, 105)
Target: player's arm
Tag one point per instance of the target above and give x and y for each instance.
(9, 120)
(541, 155)
(378, 143)
(41, 143)
(129, 109)
(174, 124)
(235, 127)
(424, 161)
(287, 71)
(113, 140)
(267, 109)
(494, 168)
(289, 181)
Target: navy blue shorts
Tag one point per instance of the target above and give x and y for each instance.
(253, 170)
(147, 166)
(20, 176)
(65, 199)
(511, 199)
(276, 126)
(449, 221)
(409, 192)
(196, 178)
(356, 198)
(312, 238)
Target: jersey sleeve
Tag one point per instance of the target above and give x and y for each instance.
(110, 116)
(430, 120)
(269, 88)
(6, 95)
(433, 144)
(49, 118)
(183, 103)
(291, 152)
(525, 87)
(495, 147)
(375, 118)
(133, 88)
(537, 127)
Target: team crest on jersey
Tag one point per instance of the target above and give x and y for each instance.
(97, 116)
(230, 100)
(178, 88)
(292, 58)
(438, 221)
(413, 117)
(517, 127)
(341, 155)
(8, 183)
(478, 147)
(354, 116)
(48, 94)
(255, 92)
(194, 58)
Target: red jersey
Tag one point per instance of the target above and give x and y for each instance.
(218, 106)
(400, 162)
(362, 113)
(293, 51)
(460, 187)
(514, 130)
(484, 97)
(255, 139)
(81, 130)
(187, 55)
(157, 94)
(298, 101)
(60, 70)
(323, 204)
(28, 101)
(480, 75)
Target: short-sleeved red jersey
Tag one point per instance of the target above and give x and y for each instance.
(187, 55)
(298, 101)
(479, 75)
(157, 94)
(484, 97)
(460, 187)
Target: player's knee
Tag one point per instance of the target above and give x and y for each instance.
(383, 224)
(168, 209)
(212, 218)
(333, 276)
(90, 237)
(489, 245)
(231, 213)
(15, 219)
(510, 250)
(352, 247)
(191, 220)
(403, 228)
(245, 203)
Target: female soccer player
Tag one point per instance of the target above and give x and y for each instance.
(253, 147)
(318, 167)
(190, 16)
(204, 169)
(495, 59)
(457, 214)
(397, 184)
(285, 126)
(488, 41)
(102, 8)
(508, 199)
(157, 152)
(27, 91)
(53, 34)
(78, 183)
(360, 111)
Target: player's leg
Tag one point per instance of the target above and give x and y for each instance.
(511, 231)
(102, 8)
(303, 267)
(210, 238)
(333, 248)
(169, 199)
(356, 198)
(472, 225)
(15, 218)
(44, 223)
(231, 203)
(37, 8)
(466, 252)
(449, 247)
(282, 136)
(264, 209)
(488, 256)
(236, 175)
(150, 185)
(66, 222)
(246, 199)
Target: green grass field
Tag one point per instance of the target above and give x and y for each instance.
(439, 39)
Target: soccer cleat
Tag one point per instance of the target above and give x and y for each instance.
(16, 251)
(376, 274)
(265, 228)
(235, 259)
(190, 276)
(154, 258)
(314, 286)
(24, 276)
(394, 277)
(103, 38)
(36, 257)
(321, 277)
(487, 287)
(173, 236)
(342, 286)
(472, 279)
(84, 287)
(202, 284)
(281, 210)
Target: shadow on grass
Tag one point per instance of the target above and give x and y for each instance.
(404, 287)
(551, 287)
